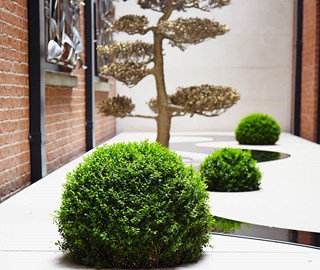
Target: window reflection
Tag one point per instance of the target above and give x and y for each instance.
(104, 16)
(64, 43)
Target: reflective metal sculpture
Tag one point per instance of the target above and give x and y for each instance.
(64, 40)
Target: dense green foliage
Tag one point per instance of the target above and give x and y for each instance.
(258, 129)
(230, 169)
(134, 205)
(225, 225)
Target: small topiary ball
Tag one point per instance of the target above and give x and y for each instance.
(134, 205)
(230, 169)
(258, 129)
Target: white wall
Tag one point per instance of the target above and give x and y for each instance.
(255, 58)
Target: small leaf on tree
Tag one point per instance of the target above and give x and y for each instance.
(182, 32)
(131, 24)
(119, 106)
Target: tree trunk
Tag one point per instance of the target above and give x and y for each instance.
(164, 113)
(163, 128)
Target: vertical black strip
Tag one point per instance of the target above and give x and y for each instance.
(37, 136)
(298, 67)
(293, 236)
(89, 74)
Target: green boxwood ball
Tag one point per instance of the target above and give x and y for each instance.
(134, 205)
(258, 129)
(230, 170)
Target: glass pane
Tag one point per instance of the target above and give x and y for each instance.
(104, 16)
(64, 44)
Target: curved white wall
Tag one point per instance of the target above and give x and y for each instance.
(255, 58)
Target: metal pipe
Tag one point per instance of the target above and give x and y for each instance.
(298, 67)
(89, 74)
(37, 135)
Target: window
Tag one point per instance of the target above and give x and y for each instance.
(64, 43)
(104, 16)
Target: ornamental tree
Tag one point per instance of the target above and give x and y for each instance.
(132, 61)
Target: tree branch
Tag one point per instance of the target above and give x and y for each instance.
(176, 108)
(209, 114)
(142, 116)
(167, 12)
(182, 5)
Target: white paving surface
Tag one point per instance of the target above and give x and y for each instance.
(289, 198)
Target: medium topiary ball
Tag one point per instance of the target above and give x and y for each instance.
(134, 205)
(258, 129)
(230, 169)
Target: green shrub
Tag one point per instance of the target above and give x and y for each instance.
(134, 205)
(258, 129)
(230, 169)
(225, 225)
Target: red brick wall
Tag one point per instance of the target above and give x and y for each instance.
(105, 127)
(14, 98)
(65, 123)
(65, 120)
(65, 128)
(65, 107)
(310, 67)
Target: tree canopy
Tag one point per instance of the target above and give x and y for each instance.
(131, 61)
(182, 5)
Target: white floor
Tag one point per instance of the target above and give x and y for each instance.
(289, 198)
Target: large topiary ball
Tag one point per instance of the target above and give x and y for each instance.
(258, 129)
(134, 205)
(230, 169)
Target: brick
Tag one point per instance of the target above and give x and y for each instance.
(310, 66)
(65, 107)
